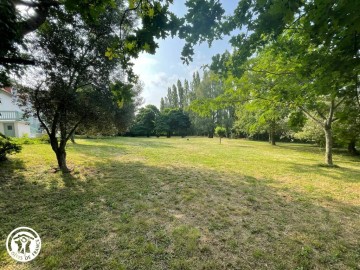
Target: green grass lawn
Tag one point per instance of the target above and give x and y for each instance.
(138, 203)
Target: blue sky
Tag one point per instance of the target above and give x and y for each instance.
(163, 69)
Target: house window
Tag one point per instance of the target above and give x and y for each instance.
(9, 127)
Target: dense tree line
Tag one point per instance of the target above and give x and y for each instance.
(182, 96)
(150, 121)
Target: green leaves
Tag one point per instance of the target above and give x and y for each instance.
(132, 3)
(111, 54)
(220, 131)
(121, 93)
(151, 12)
(201, 23)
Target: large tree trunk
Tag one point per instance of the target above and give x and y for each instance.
(352, 148)
(61, 159)
(273, 139)
(60, 153)
(328, 144)
(272, 136)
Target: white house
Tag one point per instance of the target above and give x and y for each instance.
(12, 123)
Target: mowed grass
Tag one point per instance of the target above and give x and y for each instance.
(158, 203)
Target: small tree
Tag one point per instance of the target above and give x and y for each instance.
(220, 132)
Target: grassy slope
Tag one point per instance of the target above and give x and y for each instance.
(184, 204)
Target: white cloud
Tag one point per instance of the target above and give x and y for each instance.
(144, 62)
(156, 85)
(158, 76)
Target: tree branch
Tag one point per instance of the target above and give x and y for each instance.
(125, 14)
(38, 110)
(21, 61)
(320, 113)
(55, 121)
(41, 12)
(42, 3)
(269, 72)
(331, 112)
(73, 129)
(309, 115)
(339, 103)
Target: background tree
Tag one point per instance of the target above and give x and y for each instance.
(311, 132)
(120, 118)
(186, 93)
(162, 125)
(125, 114)
(181, 94)
(144, 124)
(162, 105)
(208, 87)
(206, 118)
(172, 122)
(257, 122)
(174, 97)
(347, 128)
(178, 121)
(258, 98)
(220, 132)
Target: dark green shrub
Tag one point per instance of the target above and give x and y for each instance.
(7, 146)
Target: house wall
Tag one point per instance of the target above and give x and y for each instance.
(34, 127)
(7, 102)
(21, 129)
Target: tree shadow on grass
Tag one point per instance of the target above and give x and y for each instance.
(151, 142)
(346, 175)
(68, 179)
(134, 216)
(119, 147)
(98, 150)
(239, 145)
(9, 169)
(315, 149)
